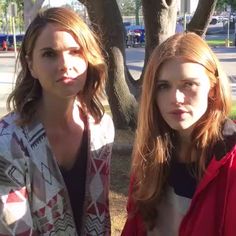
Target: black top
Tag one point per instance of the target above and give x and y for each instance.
(181, 179)
(75, 180)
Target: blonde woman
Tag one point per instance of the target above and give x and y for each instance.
(184, 160)
(55, 145)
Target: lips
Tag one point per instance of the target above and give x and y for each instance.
(65, 79)
(178, 112)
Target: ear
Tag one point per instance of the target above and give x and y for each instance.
(30, 66)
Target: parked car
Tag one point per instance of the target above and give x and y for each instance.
(135, 35)
(213, 21)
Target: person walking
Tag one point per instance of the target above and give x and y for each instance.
(4, 45)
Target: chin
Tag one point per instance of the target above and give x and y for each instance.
(181, 127)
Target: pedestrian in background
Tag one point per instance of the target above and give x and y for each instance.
(179, 26)
(4, 45)
(183, 176)
(55, 145)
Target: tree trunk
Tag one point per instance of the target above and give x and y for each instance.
(160, 22)
(30, 10)
(106, 20)
(202, 17)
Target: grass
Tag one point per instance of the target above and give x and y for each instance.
(233, 111)
(220, 42)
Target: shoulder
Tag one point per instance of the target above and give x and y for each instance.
(107, 122)
(13, 151)
(229, 128)
(8, 129)
(9, 121)
(229, 134)
(18, 140)
(105, 128)
(228, 143)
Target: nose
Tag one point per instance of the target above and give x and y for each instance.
(179, 96)
(64, 62)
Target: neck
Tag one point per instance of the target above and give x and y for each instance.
(62, 114)
(184, 136)
(183, 146)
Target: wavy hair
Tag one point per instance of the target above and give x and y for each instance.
(155, 140)
(27, 92)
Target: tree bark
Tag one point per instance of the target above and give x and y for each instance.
(106, 20)
(202, 17)
(160, 23)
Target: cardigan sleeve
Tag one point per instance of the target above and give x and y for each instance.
(15, 213)
(134, 225)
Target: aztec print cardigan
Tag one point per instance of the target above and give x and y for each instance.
(33, 195)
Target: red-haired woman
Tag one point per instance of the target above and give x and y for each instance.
(184, 160)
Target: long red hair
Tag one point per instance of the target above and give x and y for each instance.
(155, 139)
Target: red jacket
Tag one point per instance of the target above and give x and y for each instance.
(213, 207)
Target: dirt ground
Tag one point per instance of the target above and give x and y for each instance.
(120, 169)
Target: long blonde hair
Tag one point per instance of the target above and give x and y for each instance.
(24, 98)
(154, 138)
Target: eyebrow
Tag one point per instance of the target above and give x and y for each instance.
(162, 81)
(185, 79)
(55, 49)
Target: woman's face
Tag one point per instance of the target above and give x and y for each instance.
(58, 63)
(182, 93)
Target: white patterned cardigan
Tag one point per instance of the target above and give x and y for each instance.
(33, 196)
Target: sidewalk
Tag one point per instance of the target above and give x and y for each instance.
(7, 64)
(227, 57)
(134, 57)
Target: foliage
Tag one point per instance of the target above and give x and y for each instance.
(6, 3)
(220, 42)
(129, 7)
(221, 4)
(5, 21)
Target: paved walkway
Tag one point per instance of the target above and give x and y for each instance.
(134, 60)
(7, 63)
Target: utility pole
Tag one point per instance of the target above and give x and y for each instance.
(227, 42)
(185, 14)
(137, 6)
(13, 14)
